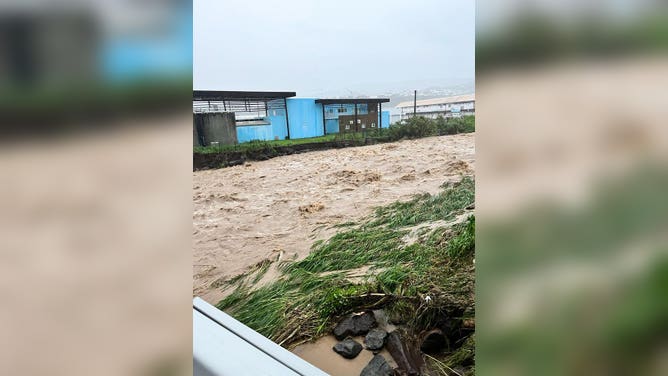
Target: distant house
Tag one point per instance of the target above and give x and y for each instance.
(455, 106)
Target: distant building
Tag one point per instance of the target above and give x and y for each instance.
(262, 115)
(455, 106)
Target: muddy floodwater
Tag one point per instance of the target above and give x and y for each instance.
(321, 355)
(277, 208)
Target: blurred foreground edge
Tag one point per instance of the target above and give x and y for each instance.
(224, 346)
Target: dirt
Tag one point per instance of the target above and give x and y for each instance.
(247, 213)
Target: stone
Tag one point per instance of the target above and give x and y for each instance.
(375, 339)
(432, 341)
(407, 362)
(355, 325)
(378, 366)
(348, 348)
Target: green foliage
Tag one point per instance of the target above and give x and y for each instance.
(414, 127)
(417, 127)
(426, 208)
(465, 124)
(464, 243)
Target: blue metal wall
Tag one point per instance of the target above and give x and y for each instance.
(277, 120)
(385, 119)
(305, 118)
(305, 121)
(255, 132)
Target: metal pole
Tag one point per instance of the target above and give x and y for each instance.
(414, 103)
(287, 120)
(380, 115)
(324, 126)
(355, 115)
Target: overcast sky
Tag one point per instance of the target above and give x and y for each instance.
(311, 46)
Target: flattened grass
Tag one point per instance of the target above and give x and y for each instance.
(312, 293)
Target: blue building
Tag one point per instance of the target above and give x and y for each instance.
(280, 115)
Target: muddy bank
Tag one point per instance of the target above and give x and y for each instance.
(203, 161)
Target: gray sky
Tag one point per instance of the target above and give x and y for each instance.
(314, 46)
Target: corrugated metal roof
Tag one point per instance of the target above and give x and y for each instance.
(446, 100)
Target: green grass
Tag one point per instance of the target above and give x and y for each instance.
(427, 208)
(312, 293)
(257, 145)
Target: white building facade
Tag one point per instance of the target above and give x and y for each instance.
(455, 106)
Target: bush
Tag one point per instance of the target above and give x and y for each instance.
(417, 127)
(464, 124)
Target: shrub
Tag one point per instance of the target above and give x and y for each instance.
(464, 124)
(417, 127)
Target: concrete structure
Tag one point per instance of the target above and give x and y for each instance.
(215, 128)
(224, 346)
(455, 106)
(278, 115)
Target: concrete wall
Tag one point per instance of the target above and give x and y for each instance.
(196, 140)
(216, 127)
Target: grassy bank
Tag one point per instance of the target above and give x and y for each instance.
(394, 259)
(231, 155)
(411, 128)
(261, 145)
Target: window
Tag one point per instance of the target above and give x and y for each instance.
(342, 109)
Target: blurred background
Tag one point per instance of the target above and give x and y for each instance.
(95, 253)
(572, 266)
(95, 270)
(73, 61)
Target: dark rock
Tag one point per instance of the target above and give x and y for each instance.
(378, 366)
(375, 339)
(355, 325)
(432, 341)
(408, 362)
(348, 348)
(236, 162)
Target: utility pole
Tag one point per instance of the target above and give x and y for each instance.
(414, 103)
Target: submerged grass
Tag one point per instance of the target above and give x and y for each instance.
(311, 293)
